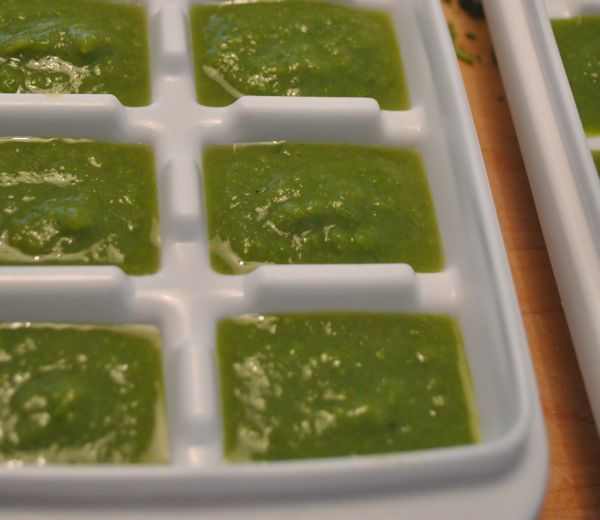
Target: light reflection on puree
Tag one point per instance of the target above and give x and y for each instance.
(80, 394)
(303, 203)
(299, 48)
(78, 202)
(334, 384)
(74, 46)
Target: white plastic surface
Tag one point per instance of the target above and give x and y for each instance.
(502, 477)
(558, 158)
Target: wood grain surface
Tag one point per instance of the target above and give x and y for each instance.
(574, 481)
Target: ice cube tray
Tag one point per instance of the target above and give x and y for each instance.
(501, 477)
(557, 154)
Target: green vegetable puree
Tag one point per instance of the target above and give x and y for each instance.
(74, 46)
(295, 48)
(596, 156)
(336, 384)
(318, 203)
(81, 394)
(578, 41)
(78, 202)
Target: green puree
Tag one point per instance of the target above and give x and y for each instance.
(74, 46)
(578, 41)
(295, 48)
(78, 202)
(336, 384)
(596, 156)
(81, 394)
(318, 203)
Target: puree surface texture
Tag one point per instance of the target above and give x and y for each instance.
(74, 46)
(318, 203)
(295, 48)
(578, 41)
(336, 384)
(81, 394)
(78, 202)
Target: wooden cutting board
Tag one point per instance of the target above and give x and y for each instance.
(574, 482)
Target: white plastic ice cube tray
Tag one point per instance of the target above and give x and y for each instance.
(559, 163)
(502, 477)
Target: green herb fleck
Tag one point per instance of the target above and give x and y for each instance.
(464, 55)
(452, 31)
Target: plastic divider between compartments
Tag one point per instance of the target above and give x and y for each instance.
(268, 118)
(62, 116)
(568, 8)
(254, 119)
(169, 27)
(594, 143)
(327, 287)
(439, 293)
(183, 196)
(193, 406)
(54, 293)
(408, 128)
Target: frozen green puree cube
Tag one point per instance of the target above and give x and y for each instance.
(318, 203)
(578, 41)
(78, 202)
(295, 48)
(74, 46)
(81, 394)
(333, 384)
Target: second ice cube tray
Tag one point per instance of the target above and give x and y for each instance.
(558, 156)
